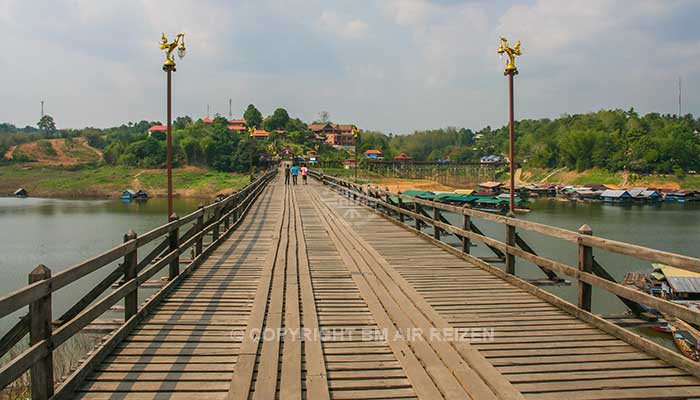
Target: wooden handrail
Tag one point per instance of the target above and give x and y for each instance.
(614, 246)
(589, 278)
(38, 293)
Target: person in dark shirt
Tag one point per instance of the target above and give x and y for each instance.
(286, 174)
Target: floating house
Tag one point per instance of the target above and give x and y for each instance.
(491, 186)
(683, 284)
(21, 192)
(128, 194)
(587, 194)
(615, 196)
(141, 195)
(682, 196)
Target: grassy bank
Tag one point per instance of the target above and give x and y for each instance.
(107, 181)
(604, 177)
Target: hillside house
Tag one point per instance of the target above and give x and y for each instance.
(373, 154)
(339, 135)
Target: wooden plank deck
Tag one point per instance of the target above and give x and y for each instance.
(370, 300)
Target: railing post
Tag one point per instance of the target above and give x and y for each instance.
(217, 215)
(467, 226)
(227, 223)
(510, 241)
(174, 245)
(130, 261)
(436, 218)
(400, 204)
(415, 211)
(199, 244)
(585, 264)
(40, 329)
(387, 198)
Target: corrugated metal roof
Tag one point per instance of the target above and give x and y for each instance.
(614, 193)
(680, 280)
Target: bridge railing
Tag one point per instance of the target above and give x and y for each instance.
(588, 272)
(212, 222)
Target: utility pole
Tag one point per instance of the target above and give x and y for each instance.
(42, 108)
(230, 112)
(207, 110)
(679, 97)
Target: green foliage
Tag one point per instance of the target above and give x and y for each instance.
(253, 117)
(278, 120)
(47, 125)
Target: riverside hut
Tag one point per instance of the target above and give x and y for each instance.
(21, 192)
(615, 196)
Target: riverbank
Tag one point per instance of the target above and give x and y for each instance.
(90, 181)
(597, 176)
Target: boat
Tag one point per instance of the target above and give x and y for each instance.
(678, 286)
(687, 339)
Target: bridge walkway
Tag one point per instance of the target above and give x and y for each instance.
(383, 314)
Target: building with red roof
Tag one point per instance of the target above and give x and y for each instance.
(157, 128)
(207, 120)
(335, 134)
(373, 153)
(261, 134)
(402, 157)
(237, 128)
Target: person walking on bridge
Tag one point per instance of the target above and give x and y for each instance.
(295, 172)
(304, 172)
(286, 174)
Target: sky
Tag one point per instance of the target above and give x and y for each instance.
(391, 65)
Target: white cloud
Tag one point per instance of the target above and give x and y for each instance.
(330, 22)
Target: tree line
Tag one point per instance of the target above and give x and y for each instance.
(611, 139)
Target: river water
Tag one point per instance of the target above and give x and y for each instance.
(61, 233)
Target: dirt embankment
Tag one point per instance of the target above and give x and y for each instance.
(57, 151)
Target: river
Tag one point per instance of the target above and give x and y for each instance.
(60, 233)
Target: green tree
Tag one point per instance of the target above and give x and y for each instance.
(47, 125)
(278, 120)
(182, 122)
(253, 117)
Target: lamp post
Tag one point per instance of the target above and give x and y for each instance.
(169, 68)
(251, 137)
(356, 135)
(510, 71)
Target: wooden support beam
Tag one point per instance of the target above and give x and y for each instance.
(551, 275)
(131, 300)
(436, 217)
(510, 241)
(198, 228)
(632, 305)
(466, 242)
(40, 327)
(173, 245)
(585, 264)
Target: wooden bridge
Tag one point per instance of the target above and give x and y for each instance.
(332, 290)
